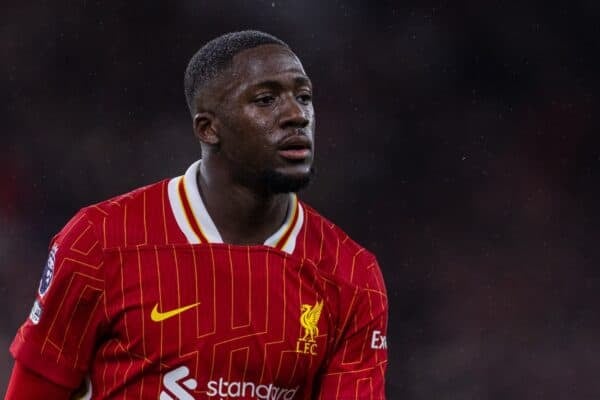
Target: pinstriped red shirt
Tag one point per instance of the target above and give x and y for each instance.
(142, 299)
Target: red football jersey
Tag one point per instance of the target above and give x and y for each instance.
(141, 299)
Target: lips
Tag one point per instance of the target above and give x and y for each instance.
(299, 154)
(297, 147)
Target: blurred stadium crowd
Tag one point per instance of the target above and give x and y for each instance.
(458, 141)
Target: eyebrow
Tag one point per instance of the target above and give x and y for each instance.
(299, 80)
(302, 80)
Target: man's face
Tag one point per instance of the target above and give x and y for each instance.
(266, 119)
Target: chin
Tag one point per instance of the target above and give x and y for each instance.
(281, 182)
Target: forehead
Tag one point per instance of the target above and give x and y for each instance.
(264, 63)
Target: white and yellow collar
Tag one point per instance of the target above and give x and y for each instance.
(198, 227)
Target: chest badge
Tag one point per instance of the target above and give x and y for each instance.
(309, 319)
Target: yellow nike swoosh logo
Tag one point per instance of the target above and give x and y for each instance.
(158, 316)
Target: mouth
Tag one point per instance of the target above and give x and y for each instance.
(295, 148)
(295, 154)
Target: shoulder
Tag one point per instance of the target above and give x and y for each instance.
(333, 238)
(115, 206)
(123, 219)
(337, 254)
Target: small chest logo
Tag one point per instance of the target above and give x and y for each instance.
(309, 319)
(158, 316)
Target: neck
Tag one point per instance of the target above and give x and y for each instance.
(242, 214)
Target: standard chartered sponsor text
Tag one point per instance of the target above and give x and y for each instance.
(228, 390)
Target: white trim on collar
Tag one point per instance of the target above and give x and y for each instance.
(196, 224)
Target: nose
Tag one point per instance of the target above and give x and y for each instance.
(294, 114)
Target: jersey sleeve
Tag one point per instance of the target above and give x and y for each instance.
(357, 368)
(26, 385)
(57, 340)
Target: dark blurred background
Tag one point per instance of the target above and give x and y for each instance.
(458, 141)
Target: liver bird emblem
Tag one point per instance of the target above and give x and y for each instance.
(309, 320)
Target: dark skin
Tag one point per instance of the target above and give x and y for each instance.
(256, 119)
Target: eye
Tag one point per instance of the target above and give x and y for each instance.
(304, 98)
(264, 100)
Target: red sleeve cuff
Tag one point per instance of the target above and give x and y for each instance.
(30, 358)
(25, 384)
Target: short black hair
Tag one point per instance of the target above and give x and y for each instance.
(216, 55)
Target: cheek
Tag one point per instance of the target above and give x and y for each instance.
(259, 120)
(246, 137)
(256, 130)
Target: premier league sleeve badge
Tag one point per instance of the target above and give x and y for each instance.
(48, 272)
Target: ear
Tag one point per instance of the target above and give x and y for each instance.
(205, 127)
